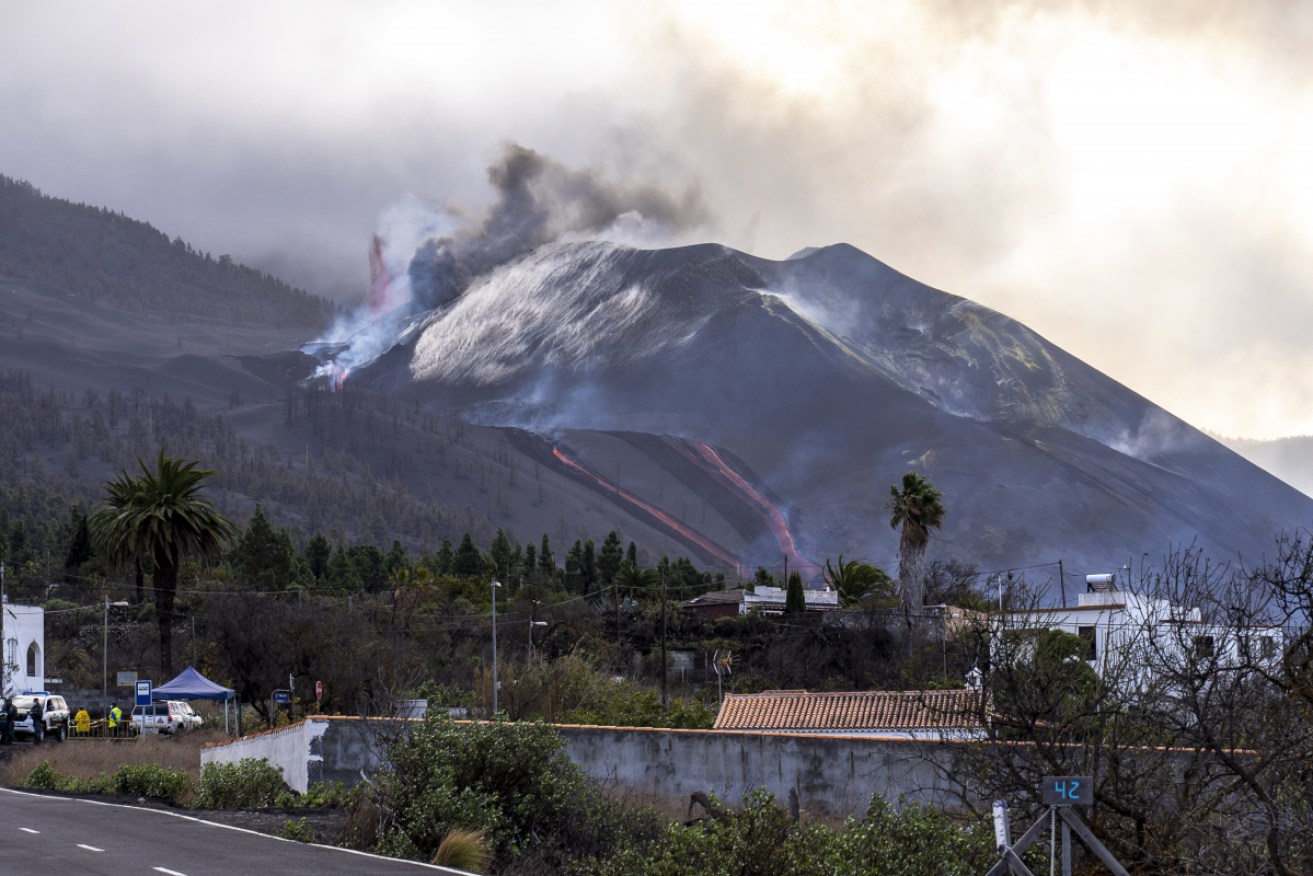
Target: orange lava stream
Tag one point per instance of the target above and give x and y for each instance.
(779, 527)
(694, 537)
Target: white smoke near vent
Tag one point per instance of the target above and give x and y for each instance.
(423, 260)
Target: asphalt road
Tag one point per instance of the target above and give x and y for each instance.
(41, 834)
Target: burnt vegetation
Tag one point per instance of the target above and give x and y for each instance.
(102, 255)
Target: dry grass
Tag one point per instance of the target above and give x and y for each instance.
(464, 850)
(88, 758)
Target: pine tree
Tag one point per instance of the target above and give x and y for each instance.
(342, 574)
(588, 567)
(261, 559)
(546, 562)
(318, 552)
(573, 568)
(795, 601)
(79, 543)
(609, 559)
(396, 559)
(467, 562)
(445, 561)
(499, 552)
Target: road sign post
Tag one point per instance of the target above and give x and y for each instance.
(1060, 794)
(143, 699)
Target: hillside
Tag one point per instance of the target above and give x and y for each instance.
(96, 254)
(698, 401)
(825, 377)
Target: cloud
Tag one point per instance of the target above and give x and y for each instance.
(1129, 179)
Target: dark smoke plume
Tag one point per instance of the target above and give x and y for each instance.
(539, 201)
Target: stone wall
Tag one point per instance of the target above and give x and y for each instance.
(824, 775)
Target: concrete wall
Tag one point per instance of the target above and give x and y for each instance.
(830, 775)
(292, 749)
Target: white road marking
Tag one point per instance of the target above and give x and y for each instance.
(28, 830)
(89, 848)
(168, 872)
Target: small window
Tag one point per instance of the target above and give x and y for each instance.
(1267, 647)
(1204, 648)
(32, 653)
(1090, 635)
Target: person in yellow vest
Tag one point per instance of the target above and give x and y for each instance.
(115, 716)
(82, 721)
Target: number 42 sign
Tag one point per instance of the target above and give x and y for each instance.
(1068, 790)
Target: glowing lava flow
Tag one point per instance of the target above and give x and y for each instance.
(775, 521)
(679, 528)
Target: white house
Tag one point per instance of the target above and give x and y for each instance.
(23, 635)
(760, 600)
(1128, 634)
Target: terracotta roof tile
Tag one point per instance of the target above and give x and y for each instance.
(865, 711)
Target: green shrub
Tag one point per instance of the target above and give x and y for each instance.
(326, 795)
(762, 840)
(44, 778)
(508, 780)
(298, 829)
(149, 780)
(248, 784)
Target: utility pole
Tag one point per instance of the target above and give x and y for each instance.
(665, 700)
(495, 585)
(1062, 584)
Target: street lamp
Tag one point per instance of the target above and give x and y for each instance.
(104, 655)
(532, 624)
(495, 585)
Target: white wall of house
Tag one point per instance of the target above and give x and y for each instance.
(1130, 633)
(771, 600)
(23, 644)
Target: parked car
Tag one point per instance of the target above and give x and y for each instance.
(54, 714)
(161, 717)
(186, 713)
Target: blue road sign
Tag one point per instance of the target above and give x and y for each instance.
(143, 692)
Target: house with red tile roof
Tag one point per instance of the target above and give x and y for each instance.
(917, 714)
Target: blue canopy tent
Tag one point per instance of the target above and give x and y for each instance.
(191, 685)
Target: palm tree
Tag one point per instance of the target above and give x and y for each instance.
(157, 520)
(854, 581)
(916, 507)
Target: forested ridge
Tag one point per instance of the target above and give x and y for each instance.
(99, 254)
(58, 453)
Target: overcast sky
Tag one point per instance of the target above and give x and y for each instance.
(1133, 180)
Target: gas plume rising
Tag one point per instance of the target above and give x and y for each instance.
(538, 201)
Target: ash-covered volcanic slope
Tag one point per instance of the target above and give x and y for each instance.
(820, 380)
